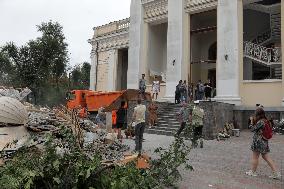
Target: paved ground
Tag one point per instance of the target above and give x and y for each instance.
(221, 165)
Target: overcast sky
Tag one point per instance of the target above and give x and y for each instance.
(18, 20)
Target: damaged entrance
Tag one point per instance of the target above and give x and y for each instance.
(203, 47)
(122, 67)
(262, 41)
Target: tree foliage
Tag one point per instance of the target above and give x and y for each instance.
(41, 64)
(80, 76)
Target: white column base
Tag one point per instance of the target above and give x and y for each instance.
(229, 99)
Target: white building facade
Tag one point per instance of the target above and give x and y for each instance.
(234, 43)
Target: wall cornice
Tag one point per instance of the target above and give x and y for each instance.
(115, 41)
(196, 6)
(155, 10)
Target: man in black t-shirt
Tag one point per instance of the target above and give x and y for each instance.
(121, 115)
(207, 90)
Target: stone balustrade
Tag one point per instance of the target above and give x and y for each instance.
(111, 28)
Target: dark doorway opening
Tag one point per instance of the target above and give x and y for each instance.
(122, 68)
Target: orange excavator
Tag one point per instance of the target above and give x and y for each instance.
(91, 101)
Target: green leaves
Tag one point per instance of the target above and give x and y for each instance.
(40, 64)
(80, 76)
(32, 168)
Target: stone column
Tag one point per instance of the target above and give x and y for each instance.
(282, 47)
(93, 71)
(229, 50)
(112, 64)
(137, 44)
(177, 47)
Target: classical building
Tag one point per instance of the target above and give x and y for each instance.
(234, 43)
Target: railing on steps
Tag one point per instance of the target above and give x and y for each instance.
(261, 54)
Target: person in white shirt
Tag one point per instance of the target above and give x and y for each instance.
(139, 119)
(155, 88)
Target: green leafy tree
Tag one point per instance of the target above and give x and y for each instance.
(41, 64)
(80, 76)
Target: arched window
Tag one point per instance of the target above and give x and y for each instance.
(212, 52)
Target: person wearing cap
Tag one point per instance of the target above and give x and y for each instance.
(184, 116)
(197, 124)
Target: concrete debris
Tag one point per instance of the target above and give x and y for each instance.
(18, 94)
(8, 135)
(12, 112)
(278, 127)
(226, 132)
(106, 144)
(41, 120)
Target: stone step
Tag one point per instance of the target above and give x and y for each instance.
(168, 124)
(168, 112)
(164, 128)
(165, 117)
(160, 132)
(167, 121)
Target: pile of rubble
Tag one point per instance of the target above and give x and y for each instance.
(45, 120)
(226, 132)
(279, 127)
(18, 94)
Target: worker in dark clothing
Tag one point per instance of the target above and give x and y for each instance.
(121, 117)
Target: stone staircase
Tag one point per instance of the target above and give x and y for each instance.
(275, 24)
(167, 119)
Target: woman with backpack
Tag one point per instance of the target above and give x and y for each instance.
(262, 133)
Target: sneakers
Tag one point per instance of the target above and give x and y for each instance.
(251, 173)
(275, 175)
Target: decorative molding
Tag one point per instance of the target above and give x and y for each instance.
(155, 10)
(111, 36)
(195, 6)
(118, 41)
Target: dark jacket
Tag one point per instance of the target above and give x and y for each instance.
(121, 115)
